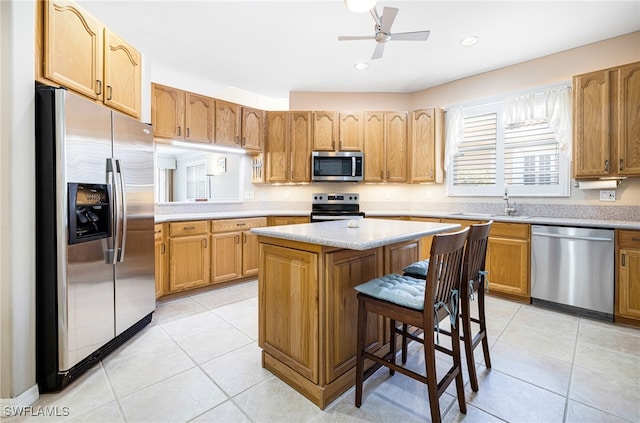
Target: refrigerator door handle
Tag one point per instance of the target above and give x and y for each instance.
(123, 218)
(112, 169)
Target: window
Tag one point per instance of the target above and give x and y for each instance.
(519, 142)
(197, 180)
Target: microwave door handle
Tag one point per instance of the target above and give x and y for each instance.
(353, 166)
(123, 218)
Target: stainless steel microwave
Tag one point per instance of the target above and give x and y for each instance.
(342, 166)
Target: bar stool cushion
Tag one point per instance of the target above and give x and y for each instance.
(402, 290)
(418, 268)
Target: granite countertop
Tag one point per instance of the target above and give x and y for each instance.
(533, 220)
(370, 233)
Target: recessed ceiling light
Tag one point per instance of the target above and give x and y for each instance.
(469, 41)
(360, 5)
(361, 66)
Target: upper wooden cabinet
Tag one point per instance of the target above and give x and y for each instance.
(425, 151)
(385, 146)
(606, 116)
(81, 54)
(228, 123)
(333, 131)
(253, 121)
(178, 114)
(288, 148)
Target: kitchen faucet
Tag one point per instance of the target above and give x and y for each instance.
(509, 209)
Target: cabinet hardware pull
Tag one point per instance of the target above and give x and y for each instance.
(244, 238)
(187, 132)
(635, 239)
(241, 224)
(237, 139)
(109, 92)
(189, 228)
(244, 140)
(205, 242)
(606, 165)
(623, 260)
(179, 131)
(621, 164)
(162, 248)
(237, 239)
(99, 82)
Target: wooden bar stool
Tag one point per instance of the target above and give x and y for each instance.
(419, 303)
(473, 285)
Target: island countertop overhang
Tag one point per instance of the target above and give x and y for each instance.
(370, 233)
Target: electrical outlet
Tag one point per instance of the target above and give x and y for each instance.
(607, 195)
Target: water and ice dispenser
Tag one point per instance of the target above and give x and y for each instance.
(89, 212)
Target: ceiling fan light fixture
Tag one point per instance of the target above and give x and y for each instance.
(469, 41)
(359, 6)
(360, 66)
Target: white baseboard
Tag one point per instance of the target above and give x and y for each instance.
(25, 399)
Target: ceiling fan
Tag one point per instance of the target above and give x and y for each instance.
(383, 31)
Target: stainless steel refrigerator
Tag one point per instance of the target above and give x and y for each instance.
(94, 233)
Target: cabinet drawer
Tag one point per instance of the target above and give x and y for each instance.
(158, 231)
(188, 228)
(510, 230)
(226, 225)
(629, 239)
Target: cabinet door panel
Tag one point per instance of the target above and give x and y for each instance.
(422, 152)
(167, 112)
(592, 125)
(122, 75)
(188, 262)
(351, 131)
(198, 118)
(629, 284)
(508, 266)
(277, 146)
(397, 256)
(300, 139)
(374, 162)
(73, 42)
(226, 256)
(347, 269)
(250, 257)
(325, 131)
(289, 310)
(227, 123)
(396, 146)
(629, 121)
(252, 129)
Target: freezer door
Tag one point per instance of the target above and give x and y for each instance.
(85, 280)
(135, 270)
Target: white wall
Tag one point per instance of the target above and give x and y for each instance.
(17, 181)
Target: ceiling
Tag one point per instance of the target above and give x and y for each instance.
(273, 47)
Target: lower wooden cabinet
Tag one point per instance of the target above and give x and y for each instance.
(188, 255)
(286, 220)
(627, 303)
(234, 252)
(160, 255)
(508, 260)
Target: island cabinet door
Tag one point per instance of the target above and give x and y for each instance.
(288, 308)
(400, 255)
(344, 270)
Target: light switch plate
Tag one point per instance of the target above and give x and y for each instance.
(607, 195)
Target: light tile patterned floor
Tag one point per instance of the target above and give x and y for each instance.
(199, 361)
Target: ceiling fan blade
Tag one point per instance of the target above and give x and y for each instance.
(411, 36)
(377, 52)
(355, 37)
(388, 16)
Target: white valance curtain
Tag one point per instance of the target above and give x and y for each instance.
(552, 107)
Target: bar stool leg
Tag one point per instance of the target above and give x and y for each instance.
(360, 345)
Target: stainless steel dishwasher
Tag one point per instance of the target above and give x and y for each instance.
(572, 269)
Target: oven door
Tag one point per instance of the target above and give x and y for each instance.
(324, 216)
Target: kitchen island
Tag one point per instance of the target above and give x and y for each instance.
(307, 305)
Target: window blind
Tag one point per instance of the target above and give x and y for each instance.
(196, 181)
(475, 162)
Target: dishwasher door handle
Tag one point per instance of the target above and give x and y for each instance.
(581, 238)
